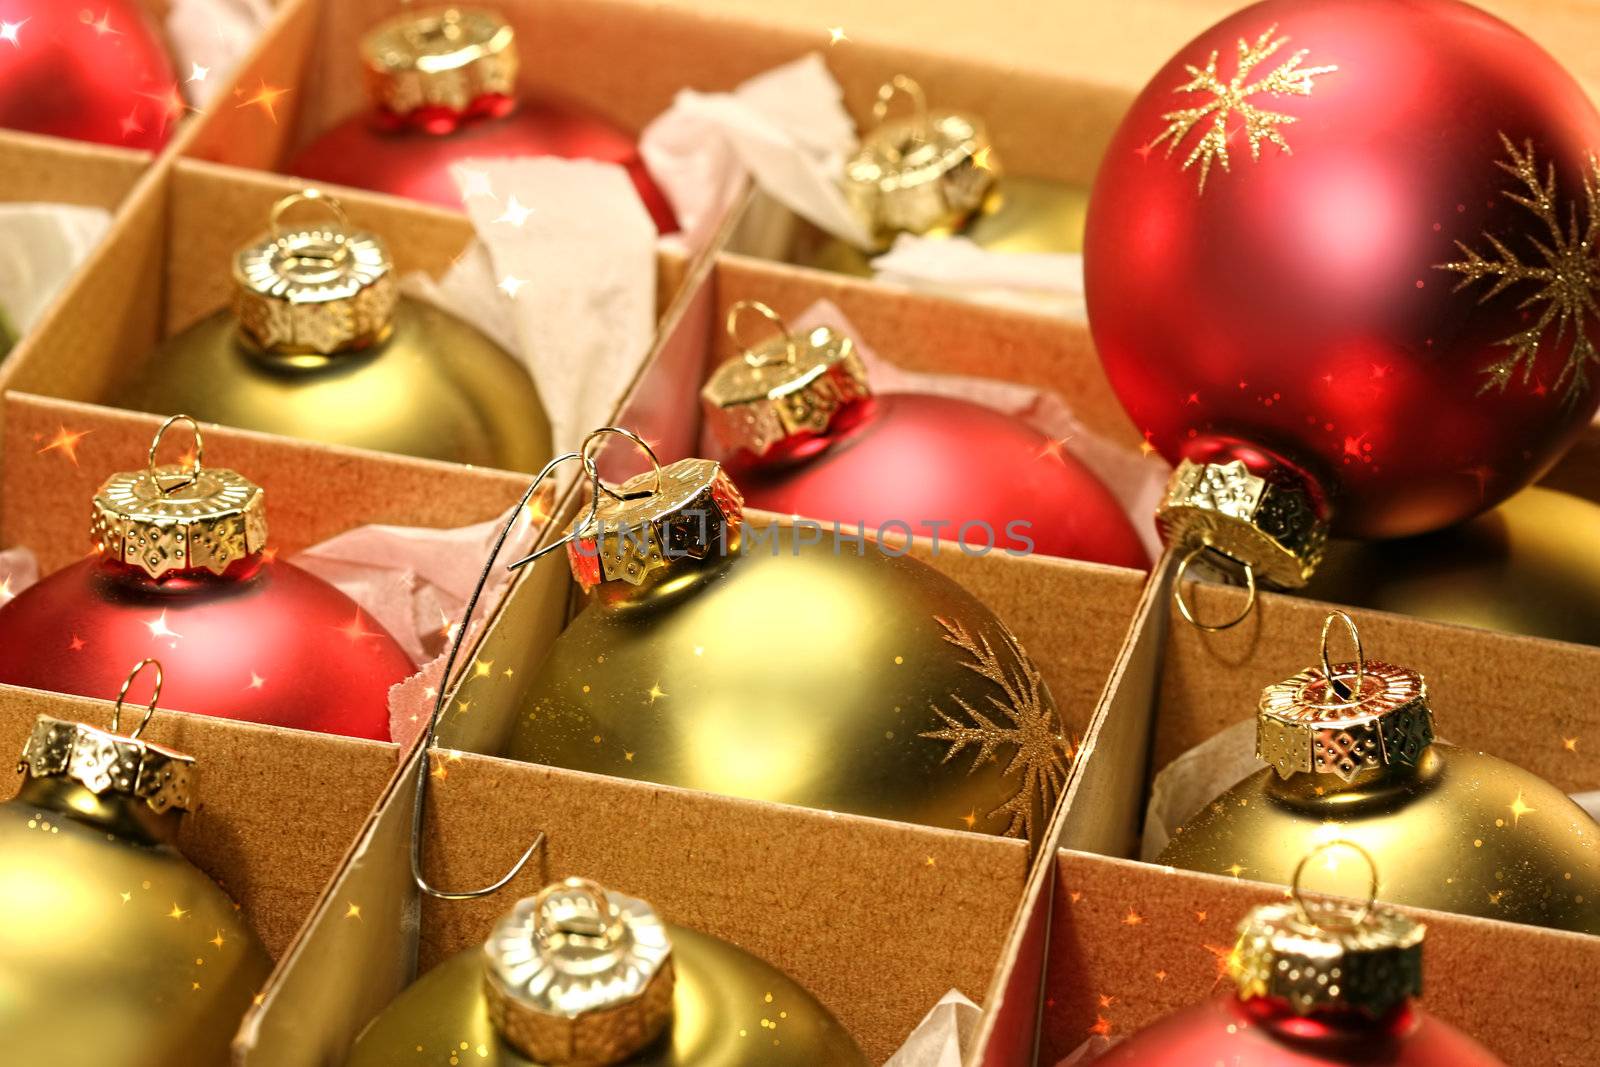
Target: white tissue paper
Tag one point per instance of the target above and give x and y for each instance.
(1194, 779)
(573, 255)
(1046, 282)
(787, 129)
(40, 246)
(941, 1038)
(1137, 481)
(209, 38)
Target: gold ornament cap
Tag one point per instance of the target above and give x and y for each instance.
(578, 974)
(1344, 719)
(930, 172)
(783, 388)
(665, 518)
(314, 290)
(1330, 954)
(448, 57)
(174, 517)
(109, 762)
(1270, 527)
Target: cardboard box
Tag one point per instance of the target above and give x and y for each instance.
(1175, 686)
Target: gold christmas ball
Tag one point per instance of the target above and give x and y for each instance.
(115, 948)
(786, 665)
(1024, 215)
(1351, 757)
(558, 983)
(319, 344)
(1527, 567)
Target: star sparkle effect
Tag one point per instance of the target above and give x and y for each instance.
(1564, 273)
(836, 34)
(516, 212)
(10, 32)
(1029, 728)
(1236, 97)
(265, 97)
(511, 285)
(159, 629)
(66, 442)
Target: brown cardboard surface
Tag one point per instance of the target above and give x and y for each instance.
(1131, 943)
(313, 491)
(59, 171)
(278, 808)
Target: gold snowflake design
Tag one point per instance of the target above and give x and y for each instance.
(1029, 726)
(1566, 271)
(1232, 97)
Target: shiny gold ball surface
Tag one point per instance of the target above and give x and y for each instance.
(437, 388)
(803, 675)
(114, 949)
(730, 1009)
(1460, 831)
(1527, 567)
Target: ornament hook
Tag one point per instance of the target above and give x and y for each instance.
(1298, 892)
(341, 247)
(116, 714)
(199, 454)
(446, 686)
(1183, 603)
(594, 473)
(597, 485)
(903, 83)
(1342, 690)
(751, 356)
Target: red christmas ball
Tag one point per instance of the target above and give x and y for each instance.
(373, 151)
(92, 72)
(263, 642)
(937, 467)
(1264, 1033)
(181, 574)
(807, 437)
(1355, 245)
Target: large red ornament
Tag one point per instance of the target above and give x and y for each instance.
(1354, 246)
(241, 635)
(455, 107)
(95, 72)
(1265, 1033)
(808, 438)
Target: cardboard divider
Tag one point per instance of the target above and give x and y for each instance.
(57, 454)
(58, 171)
(278, 808)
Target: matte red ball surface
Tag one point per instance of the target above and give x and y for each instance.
(959, 470)
(1300, 301)
(266, 642)
(93, 72)
(368, 152)
(1259, 1033)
